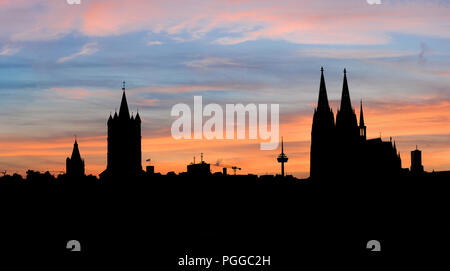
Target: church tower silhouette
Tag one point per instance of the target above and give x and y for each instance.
(346, 123)
(124, 143)
(322, 134)
(347, 134)
(74, 164)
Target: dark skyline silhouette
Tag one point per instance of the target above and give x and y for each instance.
(356, 189)
(339, 149)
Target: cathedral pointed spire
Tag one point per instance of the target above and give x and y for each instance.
(361, 117)
(322, 104)
(123, 111)
(346, 104)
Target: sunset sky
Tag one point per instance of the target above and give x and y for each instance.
(61, 68)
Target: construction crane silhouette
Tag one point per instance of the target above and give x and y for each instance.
(234, 169)
(224, 166)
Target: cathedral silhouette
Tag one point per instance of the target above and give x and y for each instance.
(340, 148)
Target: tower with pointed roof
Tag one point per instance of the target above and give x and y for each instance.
(75, 164)
(124, 156)
(346, 123)
(322, 134)
(362, 126)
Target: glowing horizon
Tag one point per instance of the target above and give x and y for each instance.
(61, 70)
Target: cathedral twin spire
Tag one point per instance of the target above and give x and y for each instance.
(346, 104)
(322, 104)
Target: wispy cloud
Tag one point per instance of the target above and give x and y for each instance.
(355, 53)
(154, 42)
(87, 49)
(423, 50)
(211, 62)
(7, 50)
(443, 73)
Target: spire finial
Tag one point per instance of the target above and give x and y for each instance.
(282, 145)
(123, 85)
(322, 103)
(345, 71)
(75, 137)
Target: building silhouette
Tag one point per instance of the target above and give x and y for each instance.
(74, 164)
(340, 148)
(124, 156)
(199, 169)
(416, 162)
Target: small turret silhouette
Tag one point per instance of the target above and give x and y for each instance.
(362, 126)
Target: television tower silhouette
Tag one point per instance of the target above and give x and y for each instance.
(282, 158)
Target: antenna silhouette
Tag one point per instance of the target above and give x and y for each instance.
(282, 158)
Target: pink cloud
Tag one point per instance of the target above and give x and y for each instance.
(87, 49)
(7, 50)
(318, 22)
(77, 93)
